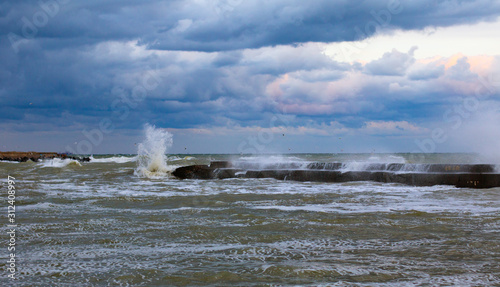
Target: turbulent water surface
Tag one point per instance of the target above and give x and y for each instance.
(122, 220)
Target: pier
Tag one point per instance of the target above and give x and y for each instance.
(459, 175)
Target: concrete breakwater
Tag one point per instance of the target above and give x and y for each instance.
(36, 156)
(459, 175)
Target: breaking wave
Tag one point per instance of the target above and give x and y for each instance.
(114, 159)
(58, 163)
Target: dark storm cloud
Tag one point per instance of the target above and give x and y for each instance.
(199, 25)
(253, 24)
(68, 64)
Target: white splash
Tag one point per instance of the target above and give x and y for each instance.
(386, 158)
(374, 162)
(262, 162)
(151, 154)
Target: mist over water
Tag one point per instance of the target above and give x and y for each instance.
(151, 153)
(479, 134)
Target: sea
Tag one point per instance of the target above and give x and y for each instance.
(124, 220)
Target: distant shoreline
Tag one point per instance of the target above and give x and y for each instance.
(36, 156)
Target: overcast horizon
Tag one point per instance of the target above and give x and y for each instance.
(237, 76)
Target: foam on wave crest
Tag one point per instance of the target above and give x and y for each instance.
(59, 163)
(177, 158)
(114, 159)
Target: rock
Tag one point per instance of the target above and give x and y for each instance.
(194, 172)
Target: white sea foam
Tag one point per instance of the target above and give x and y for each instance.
(261, 162)
(177, 158)
(151, 154)
(354, 166)
(58, 163)
(189, 158)
(375, 162)
(36, 206)
(114, 159)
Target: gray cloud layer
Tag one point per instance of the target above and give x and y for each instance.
(198, 25)
(68, 64)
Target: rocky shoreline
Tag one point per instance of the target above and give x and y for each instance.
(36, 156)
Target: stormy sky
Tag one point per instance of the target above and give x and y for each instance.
(236, 76)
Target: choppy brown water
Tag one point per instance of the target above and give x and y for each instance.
(101, 224)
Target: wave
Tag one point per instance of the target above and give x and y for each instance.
(270, 158)
(178, 158)
(114, 159)
(59, 163)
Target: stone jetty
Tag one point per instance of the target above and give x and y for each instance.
(459, 175)
(36, 156)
